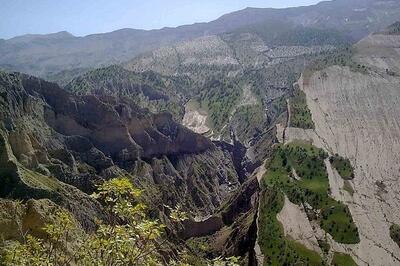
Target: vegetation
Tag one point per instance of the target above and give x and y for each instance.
(312, 189)
(276, 33)
(148, 89)
(249, 121)
(393, 29)
(342, 56)
(220, 97)
(340, 259)
(343, 167)
(64, 77)
(130, 237)
(324, 245)
(277, 249)
(300, 115)
(395, 233)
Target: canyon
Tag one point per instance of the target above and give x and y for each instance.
(281, 144)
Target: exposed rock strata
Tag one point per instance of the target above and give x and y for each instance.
(51, 138)
(356, 116)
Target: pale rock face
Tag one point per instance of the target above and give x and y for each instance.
(357, 116)
(297, 226)
(195, 120)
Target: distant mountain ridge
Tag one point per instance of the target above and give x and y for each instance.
(32, 37)
(47, 55)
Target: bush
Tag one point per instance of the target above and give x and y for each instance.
(131, 238)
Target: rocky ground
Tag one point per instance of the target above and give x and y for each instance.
(58, 146)
(229, 92)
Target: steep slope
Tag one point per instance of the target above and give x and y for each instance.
(237, 84)
(50, 55)
(355, 113)
(57, 146)
(359, 121)
(149, 90)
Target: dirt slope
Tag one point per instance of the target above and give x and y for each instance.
(357, 116)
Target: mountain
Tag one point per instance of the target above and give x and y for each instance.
(149, 90)
(276, 131)
(340, 196)
(237, 84)
(56, 146)
(48, 55)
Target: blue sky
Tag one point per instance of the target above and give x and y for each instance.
(83, 17)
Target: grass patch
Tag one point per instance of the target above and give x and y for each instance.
(312, 188)
(395, 233)
(277, 249)
(300, 115)
(340, 259)
(342, 166)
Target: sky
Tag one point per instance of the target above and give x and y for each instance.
(83, 17)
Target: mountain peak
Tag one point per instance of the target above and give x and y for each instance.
(30, 37)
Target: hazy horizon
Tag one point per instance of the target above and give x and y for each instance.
(82, 18)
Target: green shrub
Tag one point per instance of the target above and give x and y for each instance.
(395, 233)
(129, 237)
(343, 167)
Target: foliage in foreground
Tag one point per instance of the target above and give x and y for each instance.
(131, 238)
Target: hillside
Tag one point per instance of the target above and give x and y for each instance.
(355, 113)
(56, 146)
(149, 90)
(49, 55)
(275, 131)
(112, 121)
(232, 77)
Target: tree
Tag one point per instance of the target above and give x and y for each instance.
(130, 238)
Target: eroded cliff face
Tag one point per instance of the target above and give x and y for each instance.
(236, 84)
(57, 146)
(356, 116)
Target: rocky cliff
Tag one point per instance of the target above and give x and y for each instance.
(355, 114)
(55, 146)
(236, 83)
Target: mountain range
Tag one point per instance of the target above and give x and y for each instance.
(50, 56)
(275, 130)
